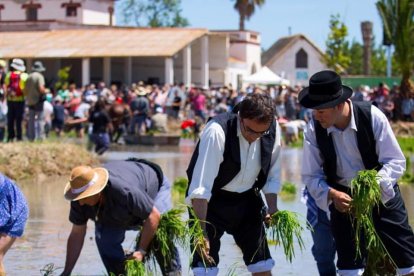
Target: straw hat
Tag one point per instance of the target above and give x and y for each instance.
(141, 91)
(85, 182)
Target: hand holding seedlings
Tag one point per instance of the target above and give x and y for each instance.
(342, 201)
(137, 256)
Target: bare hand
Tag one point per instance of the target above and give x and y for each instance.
(203, 249)
(342, 201)
(137, 256)
(269, 215)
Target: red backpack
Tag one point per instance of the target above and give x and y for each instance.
(14, 88)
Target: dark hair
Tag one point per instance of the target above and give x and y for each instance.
(259, 107)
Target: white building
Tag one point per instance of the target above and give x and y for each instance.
(80, 34)
(294, 58)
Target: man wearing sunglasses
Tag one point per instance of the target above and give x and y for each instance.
(237, 157)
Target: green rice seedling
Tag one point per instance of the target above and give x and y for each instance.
(171, 231)
(180, 184)
(196, 234)
(135, 268)
(288, 191)
(284, 227)
(366, 197)
(49, 269)
(406, 144)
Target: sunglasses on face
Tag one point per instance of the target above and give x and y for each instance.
(253, 132)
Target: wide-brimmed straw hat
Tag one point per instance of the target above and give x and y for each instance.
(18, 64)
(85, 182)
(325, 90)
(141, 91)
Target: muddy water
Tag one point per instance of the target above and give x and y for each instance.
(47, 230)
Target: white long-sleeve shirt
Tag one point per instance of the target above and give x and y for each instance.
(210, 156)
(349, 160)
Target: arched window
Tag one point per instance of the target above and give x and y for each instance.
(301, 59)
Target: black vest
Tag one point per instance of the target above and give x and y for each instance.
(230, 166)
(365, 139)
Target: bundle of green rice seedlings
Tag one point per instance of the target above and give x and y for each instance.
(135, 268)
(284, 227)
(288, 191)
(172, 230)
(366, 197)
(197, 236)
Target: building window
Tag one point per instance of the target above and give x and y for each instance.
(31, 10)
(301, 59)
(31, 14)
(71, 11)
(1, 8)
(71, 8)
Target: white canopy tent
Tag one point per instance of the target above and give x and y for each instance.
(265, 76)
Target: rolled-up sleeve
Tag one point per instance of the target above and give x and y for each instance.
(272, 185)
(210, 156)
(312, 171)
(389, 154)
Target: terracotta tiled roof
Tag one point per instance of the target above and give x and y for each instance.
(109, 42)
(282, 45)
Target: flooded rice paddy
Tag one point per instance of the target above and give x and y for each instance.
(44, 241)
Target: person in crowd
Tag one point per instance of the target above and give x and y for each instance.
(2, 75)
(238, 155)
(15, 83)
(343, 138)
(139, 109)
(48, 113)
(3, 116)
(58, 120)
(101, 126)
(35, 91)
(119, 196)
(159, 121)
(14, 212)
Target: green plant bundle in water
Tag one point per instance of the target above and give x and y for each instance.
(284, 227)
(171, 231)
(196, 235)
(288, 191)
(366, 196)
(180, 184)
(135, 268)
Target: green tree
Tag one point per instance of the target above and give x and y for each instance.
(153, 13)
(355, 52)
(378, 60)
(397, 18)
(246, 9)
(336, 54)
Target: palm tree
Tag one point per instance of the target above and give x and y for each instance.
(246, 9)
(398, 20)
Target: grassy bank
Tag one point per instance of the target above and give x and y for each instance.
(24, 160)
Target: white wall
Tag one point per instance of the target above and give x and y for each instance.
(285, 65)
(91, 11)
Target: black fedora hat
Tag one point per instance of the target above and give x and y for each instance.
(325, 90)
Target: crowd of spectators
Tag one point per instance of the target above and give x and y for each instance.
(106, 114)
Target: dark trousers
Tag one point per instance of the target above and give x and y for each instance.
(239, 214)
(14, 120)
(109, 241)
(391, 224)
(323, 249)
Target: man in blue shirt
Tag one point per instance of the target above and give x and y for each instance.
(120, 196)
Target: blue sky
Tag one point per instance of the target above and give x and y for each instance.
(274, 19)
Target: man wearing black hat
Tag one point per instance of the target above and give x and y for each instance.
(35, 91)
(342, 139)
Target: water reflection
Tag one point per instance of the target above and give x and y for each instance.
(48, 227)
